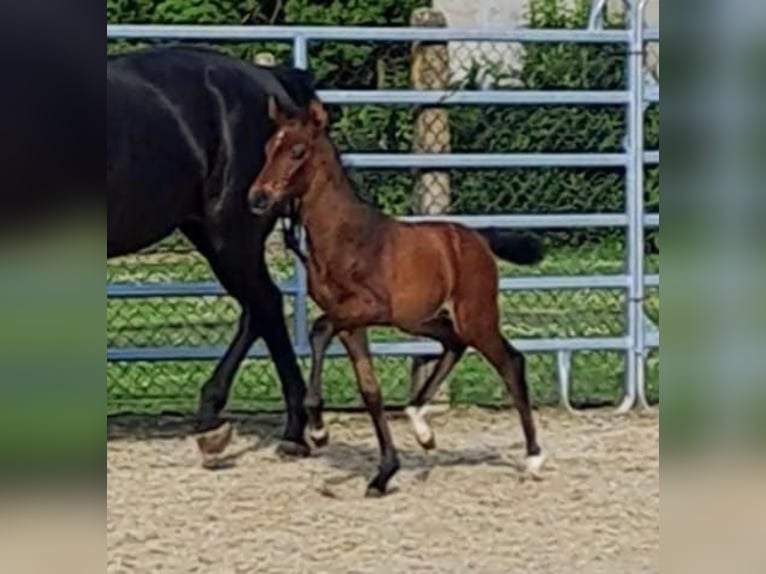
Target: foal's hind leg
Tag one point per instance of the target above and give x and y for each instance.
(418, 405)
(442, 330)
(358, 350)
(511, 365)
(322, 332)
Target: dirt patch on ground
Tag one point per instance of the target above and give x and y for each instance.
(461, 509)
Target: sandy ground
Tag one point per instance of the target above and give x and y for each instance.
(464, 508)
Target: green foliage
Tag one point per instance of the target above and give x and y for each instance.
(196, 11)
(490, 129)
(549, 129)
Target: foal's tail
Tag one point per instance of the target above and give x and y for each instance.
(519, 248)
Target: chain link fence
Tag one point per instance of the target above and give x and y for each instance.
(597, 376)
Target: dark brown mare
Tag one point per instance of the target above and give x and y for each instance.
(437, 280)
(186, 134)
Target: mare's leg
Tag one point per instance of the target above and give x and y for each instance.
(237, 259)
(270, 320)
(358, 350)
(442, 330)
(322, 332)
(511, 365)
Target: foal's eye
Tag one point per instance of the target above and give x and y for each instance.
(298, 151)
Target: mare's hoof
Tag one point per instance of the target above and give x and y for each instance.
(214, 462)
(320, 437)
(374, 492)
(215, 441)
(288, 449)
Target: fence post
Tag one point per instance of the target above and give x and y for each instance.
(635, 210)
(430, 71)
(639, 235)
(301, 60)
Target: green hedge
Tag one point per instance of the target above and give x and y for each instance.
(524, 129)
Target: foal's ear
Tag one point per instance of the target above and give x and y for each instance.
(317, 114)
(275, 114)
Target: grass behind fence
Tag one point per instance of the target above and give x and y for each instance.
(153, 387)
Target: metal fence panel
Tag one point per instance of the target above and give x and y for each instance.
(145, 293)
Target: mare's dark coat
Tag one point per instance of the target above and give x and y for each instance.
(186, 129)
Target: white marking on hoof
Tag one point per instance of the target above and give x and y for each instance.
(423, 432)
(535, 464)
(318, 435)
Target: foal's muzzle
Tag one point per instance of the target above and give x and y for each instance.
(259, 203)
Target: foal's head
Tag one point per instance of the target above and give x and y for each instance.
(287, 172)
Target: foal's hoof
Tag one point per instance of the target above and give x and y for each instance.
(320, 437)
(378, 486)
(429, 443)
(288, 449)
(423, 433)
(534, 466)
(215, 441)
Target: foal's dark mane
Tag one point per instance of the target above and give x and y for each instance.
(293, 214)
(351, 183)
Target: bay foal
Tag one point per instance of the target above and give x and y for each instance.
(436, 280)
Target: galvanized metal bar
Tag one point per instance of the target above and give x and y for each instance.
(473, 97)
(649, 325)
(214, 289)
(634, 208)
(638, 231)
(489, 161)
(397, 349)
(564, 370)
(177, 289)
(549, 283)
(481, 161)
(596, 16)
(301, 60)
(571, 282)
(539, 221)
(228, 33)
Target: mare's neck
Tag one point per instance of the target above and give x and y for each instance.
(330, 210)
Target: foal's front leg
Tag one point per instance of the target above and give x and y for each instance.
(357, 346)
(322, 332)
